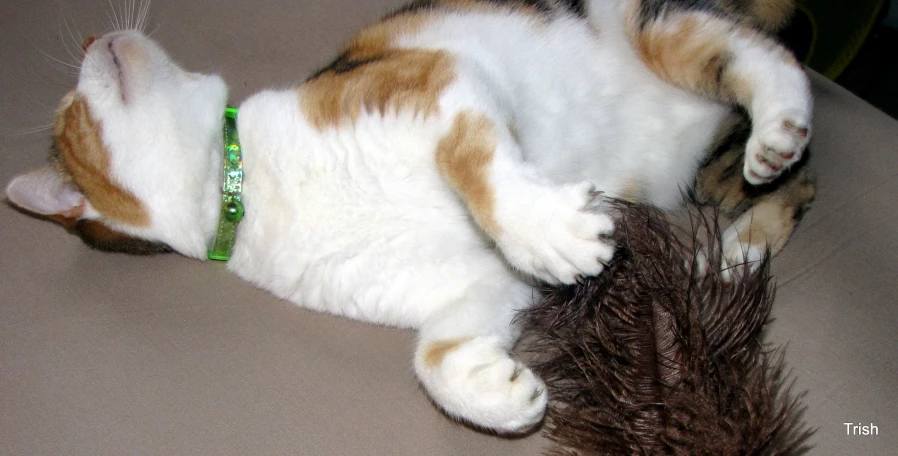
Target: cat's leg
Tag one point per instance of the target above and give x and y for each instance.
(765, 227)
(764, 216)
(553, 232)
(705, 52)
(463, 359)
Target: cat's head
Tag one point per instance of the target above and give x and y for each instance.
(133, 163)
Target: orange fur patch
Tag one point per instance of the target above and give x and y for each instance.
(463, 157)
(83, 156)
(402, 80)
(375, 77)
(741, 87)
(773, 218)
(381, 36)
(689, 50)
(771, 223)
(436, 352)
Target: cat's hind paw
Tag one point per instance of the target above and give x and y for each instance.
(557, 234)
(477, 381)
(741, 254)
(739, 258)
(774, 146)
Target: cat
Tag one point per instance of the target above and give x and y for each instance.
(454, 155)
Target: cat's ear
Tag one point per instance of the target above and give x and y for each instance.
(47, 192)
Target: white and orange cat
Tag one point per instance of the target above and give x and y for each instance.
(453, 152)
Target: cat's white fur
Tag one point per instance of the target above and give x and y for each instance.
(162, 126)
(358, 220)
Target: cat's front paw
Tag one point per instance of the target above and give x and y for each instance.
(557, 234)
(477, 381)
(775, 145)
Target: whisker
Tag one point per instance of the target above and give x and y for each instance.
(136, 13)
(35, 100)
(67, 68)
(113, 17)
(80, 42)
(59, 61)
(128, 13)
(35, 130)
(122, 17)
(144, 15)
(79, 34)
(77, 40)
(111, 21)
(150, 35)
(132, 15)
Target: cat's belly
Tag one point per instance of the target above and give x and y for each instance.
(621, 128)
(583, 105)
(361, 224)
(641, 146)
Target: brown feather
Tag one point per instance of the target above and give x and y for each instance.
(653, 358)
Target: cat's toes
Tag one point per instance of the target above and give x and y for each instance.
(775, 146)
(740, 257)
(561, 236)
(478, 382)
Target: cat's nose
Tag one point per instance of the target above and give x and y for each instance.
(87, 42)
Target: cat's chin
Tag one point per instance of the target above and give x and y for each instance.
(120, 68)
(159, 128)
(130, 65)
(106, 67)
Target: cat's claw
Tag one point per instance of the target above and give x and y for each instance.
(481, 383)
(519, 369)
(559, 236)
(536, 394)
(774, 146)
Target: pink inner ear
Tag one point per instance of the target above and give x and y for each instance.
(45, 191)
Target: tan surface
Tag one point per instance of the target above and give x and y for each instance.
(108, 355)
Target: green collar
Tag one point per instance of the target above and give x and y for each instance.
(231, 204)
